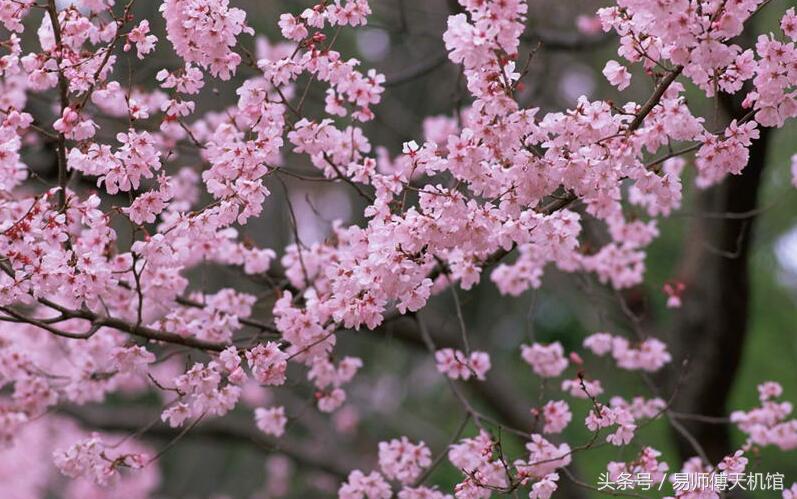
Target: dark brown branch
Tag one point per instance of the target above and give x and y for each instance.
(63, 90)
(654, 99)
(135, 330)
(349, 181)
(231, 429)
(493, 391)
(712, 325)
(415, 72)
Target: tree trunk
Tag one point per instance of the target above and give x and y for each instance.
(712, 325)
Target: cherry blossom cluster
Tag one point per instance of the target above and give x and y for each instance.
(650, 355)
(480, 458)
(768, 424)
(204, 32)
(118, 462)
(455, 364)
(95, 458)
(499, 191)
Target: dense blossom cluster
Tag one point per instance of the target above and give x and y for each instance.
(89, 310)
(204, 33)
(768, 424)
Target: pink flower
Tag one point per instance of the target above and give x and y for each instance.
(767, 424)
(651, 355)
(547, 361)
(607, 417)
(544, 488)
(188, 80)
(617, 75)
(93, 459)
(557, 416)
(544, 457)
(421, 493)
(144, 42)
(455, 365)
(331, 401)
(271, 421)
(452, 363)
(292, 28)
(177, 414)
(480, 364)
(74, 126)
(497, 181)
(735, 464)
(582, 388)
(788, 24)
(204, 31)
(132, 359)
(268, 363)
(403, 460)
(769, 390)
(599, 343)
(149, 204)
(352, 13)
(359, 485)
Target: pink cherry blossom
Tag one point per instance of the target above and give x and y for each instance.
(74, 126)
(93, 459)
(617, 75)
(599, 343)
(144, 42)
(145, 185)
(132, 359)
(268, 363)
(292, 28)
(789, 24)
(203, 32)
(544, 488)
(359, 485)
(455, 365)
(582, 388)
(557, 416)
(547, 361)
(271, 421)
(403, 460)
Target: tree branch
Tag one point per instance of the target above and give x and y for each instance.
(231, 429)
